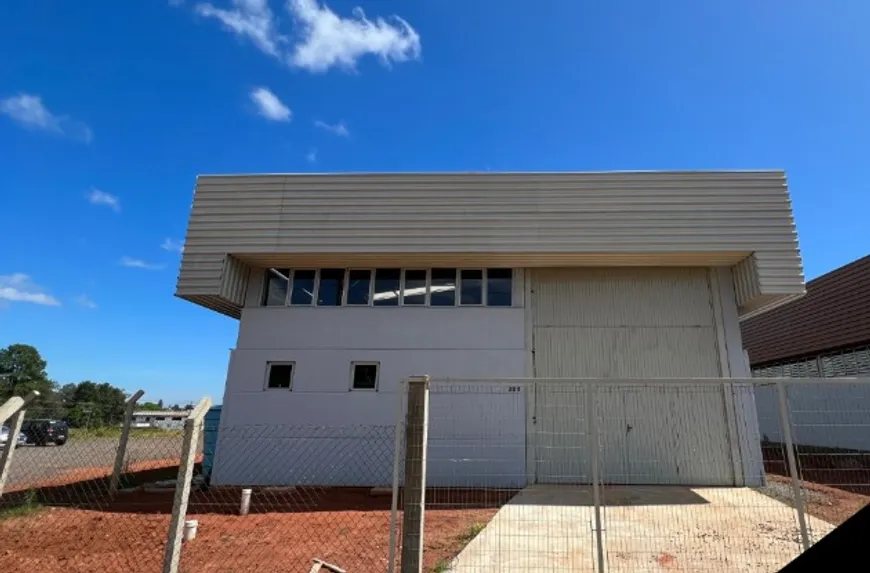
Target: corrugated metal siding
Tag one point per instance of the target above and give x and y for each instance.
(626, 352)
(628, 324)
(628, 215)
(234, 281)
(622, 297)
(835, 313)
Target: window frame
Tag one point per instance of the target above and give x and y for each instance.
(343, 284)
(427, 302)
(264, 294)
(313, 291)
(401, 287)
(482, 287)
(376, 364)
(347, 272)
(269, 364)
(427, 285)
(457, 271)
(512, 280)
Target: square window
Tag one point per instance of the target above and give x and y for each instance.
(499, 286)
(331, 285)
(275, 293)
(358, 287)
(303, 288)
(364, 376)
(471, 285)
(443, 289)
(387, 287)
(279, 375)
(415, 287)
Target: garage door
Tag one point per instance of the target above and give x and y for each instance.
(628, 324)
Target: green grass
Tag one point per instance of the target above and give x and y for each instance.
(463, 539)
(83, 434)
(473, 531)
(29, 507)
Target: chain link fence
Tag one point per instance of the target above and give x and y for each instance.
(279, 497)
(60, 509)
(628, 475)
(518, 475)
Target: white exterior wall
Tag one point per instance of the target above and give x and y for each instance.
(268, 435)
(309, 427)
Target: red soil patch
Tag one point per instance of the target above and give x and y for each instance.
(284, 532)
(666, 560)
(830, 504)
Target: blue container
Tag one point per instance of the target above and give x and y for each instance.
(212, 422)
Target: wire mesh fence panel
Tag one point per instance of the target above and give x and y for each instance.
(57, 512)
(639, 475)
(274, 498)
(831, 432)
(667, 449)
(483, 511)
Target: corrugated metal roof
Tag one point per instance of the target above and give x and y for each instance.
(835, 313)
(499, 219)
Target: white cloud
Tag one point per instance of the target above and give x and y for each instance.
(322, 39)
(251, 19)
(172, 245)
(18, 287)
(97, 197)
(269, 106)
(29, 111)
(339, 129)
(139, 264)
(311, 156)
(85, 301)
(328, 40)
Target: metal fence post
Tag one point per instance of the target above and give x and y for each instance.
(792, 464)
(192, 430)
(416, 437)
(394, 504)
(122, 443)
(13, 408)
(592, 428)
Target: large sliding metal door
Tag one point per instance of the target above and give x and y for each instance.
(627, 324)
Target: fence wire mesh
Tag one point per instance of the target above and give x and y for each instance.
(512, 465)
(57, 512)
(521, 475)
(277, 497)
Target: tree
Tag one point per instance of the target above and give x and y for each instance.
(22, 369)
(151, 406)
(96, 404)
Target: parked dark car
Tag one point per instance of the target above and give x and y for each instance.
(44, 432)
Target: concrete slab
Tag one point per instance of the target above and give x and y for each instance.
(549, 528)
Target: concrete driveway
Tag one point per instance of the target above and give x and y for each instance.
(548, 528)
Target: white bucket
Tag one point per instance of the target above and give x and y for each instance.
(190, 527)
(246, 502)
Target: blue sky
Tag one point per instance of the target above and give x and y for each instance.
(108, 111)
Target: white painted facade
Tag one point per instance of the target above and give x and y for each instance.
(480, 433)
(622, 277)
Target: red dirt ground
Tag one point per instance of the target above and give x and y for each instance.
(285, 531)
(832, 504)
